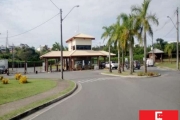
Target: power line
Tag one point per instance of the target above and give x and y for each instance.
(169, 31)
(165, 23)
(32, 28)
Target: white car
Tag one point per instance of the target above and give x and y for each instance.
(113, 65)
(150, 62)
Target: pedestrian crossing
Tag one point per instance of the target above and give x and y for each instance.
(98, 79)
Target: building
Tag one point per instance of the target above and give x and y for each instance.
(79, 55)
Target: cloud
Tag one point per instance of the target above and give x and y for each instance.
(18, 16)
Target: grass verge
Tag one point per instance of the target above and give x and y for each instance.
(167, 65)
(38, 103)
(16, 91)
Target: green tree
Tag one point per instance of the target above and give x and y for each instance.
(56, 47)
(168, 49)
(144, 19)
(130, 30)
(108, 35)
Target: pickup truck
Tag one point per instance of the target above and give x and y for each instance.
(114, 65)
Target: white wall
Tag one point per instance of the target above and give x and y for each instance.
(83, 42)
(69, 46)
(78, 42)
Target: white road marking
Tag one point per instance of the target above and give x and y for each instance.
(96, 79)
(53, 105)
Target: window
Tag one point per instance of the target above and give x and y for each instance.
(83, 47)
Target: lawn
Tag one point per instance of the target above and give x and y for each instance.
(167, 64)
(38, 103)
(15, 91)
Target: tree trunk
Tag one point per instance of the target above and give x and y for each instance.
(145, 52)
(110, 70)
(122, 60)
(25, 68)
(130, 57)
(119, 64)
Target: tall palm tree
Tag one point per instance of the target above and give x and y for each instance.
(116, 39)
(168, 49)
(144, 19)
(130, 30)
(107, 35)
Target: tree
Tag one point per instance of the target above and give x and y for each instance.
(108, 35)
(130, 30)
(168, 49)
(161, 43)
(56, 47)
(144, 19)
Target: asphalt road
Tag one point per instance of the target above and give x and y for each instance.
(113, 98)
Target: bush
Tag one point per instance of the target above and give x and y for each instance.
(5, 81)
(23, 79)
(140, 74)
(17, 76)
(1, 77)
(147, 74)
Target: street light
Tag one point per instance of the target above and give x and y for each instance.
(177, 46)
(61, 20)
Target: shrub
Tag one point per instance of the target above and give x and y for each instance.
(17, 76)
(23, 79)
(5, 81)
(1, 77)
(140, 74)
(147, 74)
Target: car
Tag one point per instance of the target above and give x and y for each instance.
(102, 65)
(137, 64)
(150, 62)
(114, 65)
(3, 70)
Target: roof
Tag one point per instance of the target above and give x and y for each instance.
(82, 36)
(156, 51)
(75, 53)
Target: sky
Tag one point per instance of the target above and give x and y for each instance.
(19, 16)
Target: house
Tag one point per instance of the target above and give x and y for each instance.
(156, 54)
(79, 55)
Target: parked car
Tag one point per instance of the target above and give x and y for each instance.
(3, 70)
(114, 65)
(150, 62)
(137, 64)
(102, 65)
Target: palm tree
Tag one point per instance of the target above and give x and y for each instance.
(144, 19)
(168, 49)
(116, 39)
(130, 30)
(107, 35)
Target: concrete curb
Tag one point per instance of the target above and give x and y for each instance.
(33, 110)
(131, 76)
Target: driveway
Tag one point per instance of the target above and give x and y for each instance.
(113, 98)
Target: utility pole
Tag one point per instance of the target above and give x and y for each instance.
(7, 41)
(177, 39)
(12, 56)
(110, 70)
(61, 45)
